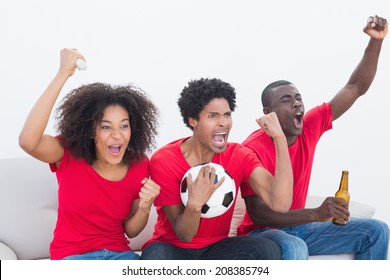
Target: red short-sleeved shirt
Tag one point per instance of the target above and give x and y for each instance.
(91, 209)
(316, 122)
(167, 168)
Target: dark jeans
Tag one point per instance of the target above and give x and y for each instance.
(231, 248)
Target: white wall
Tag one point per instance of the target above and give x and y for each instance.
(161, 45)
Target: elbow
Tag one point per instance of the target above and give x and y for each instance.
(282, 203)
(26, 144)
(131, 232)
(265, 217)
(186, 238)
(281, 207)
(131, 235)
(259, 220)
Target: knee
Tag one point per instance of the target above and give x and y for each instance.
(294, 249)
(383, 229)
(270, 250)
(378, 228)
(157, 251)
(253, 248)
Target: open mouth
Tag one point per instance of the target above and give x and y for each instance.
(298, 120)
(115, 149)
(220, 138)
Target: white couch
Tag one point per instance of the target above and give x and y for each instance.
(28, 211)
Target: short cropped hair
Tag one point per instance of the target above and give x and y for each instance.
(267, 92)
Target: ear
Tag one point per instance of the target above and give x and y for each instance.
(266, 111)
(193, 122)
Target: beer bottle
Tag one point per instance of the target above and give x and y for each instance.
(342, 192)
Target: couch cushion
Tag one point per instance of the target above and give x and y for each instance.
(6, 253)
(238, 214)
(28, 206)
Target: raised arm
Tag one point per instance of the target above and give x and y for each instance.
(32, 138)
(276, 191)
(364, 73)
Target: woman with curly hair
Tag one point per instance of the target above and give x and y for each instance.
(99, 157)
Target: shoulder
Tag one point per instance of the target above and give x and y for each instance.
(237, 150)
(259, 141)
(144, 161)
(318, 119)
(168, 157)
(321, 110)
(255, 136)
(167, 151)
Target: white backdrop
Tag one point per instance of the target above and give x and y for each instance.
(161, 45)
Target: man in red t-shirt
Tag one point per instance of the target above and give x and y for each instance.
(206, 106)
(303, 232)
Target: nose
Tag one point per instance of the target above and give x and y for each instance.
(115, 134)
(223, 121)
(297, 103)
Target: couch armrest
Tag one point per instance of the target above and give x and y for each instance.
(6, 253)
(357, 209)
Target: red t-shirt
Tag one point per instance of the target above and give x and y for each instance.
(316, 121)
(167, 168)
(91, 209)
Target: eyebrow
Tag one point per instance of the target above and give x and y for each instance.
(285, 96)
(217, 113)
(289, 96)
(107, 121)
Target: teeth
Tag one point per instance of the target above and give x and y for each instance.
(219, 137)
(115, 149)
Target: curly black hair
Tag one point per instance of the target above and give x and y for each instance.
(198, 93)
(82, 110)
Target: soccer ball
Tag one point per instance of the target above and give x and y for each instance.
(222, 198)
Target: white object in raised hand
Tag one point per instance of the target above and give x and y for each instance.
(80, 64)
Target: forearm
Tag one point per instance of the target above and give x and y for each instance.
(187, 224)
(282, 184)
(289, 219)
(364, 73)
(262, 215)
(136, 223)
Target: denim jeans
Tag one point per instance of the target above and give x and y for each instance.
(231, 248)
(368, 239)
(105, 255)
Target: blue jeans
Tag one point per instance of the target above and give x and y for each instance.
(231, 248)
(105, 255)
(368, 239)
